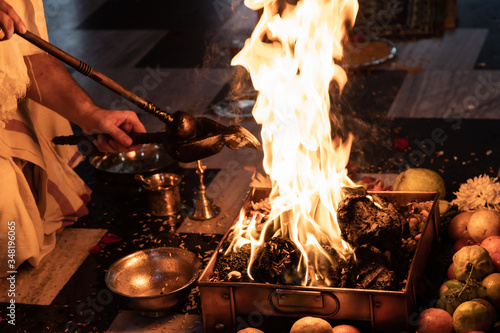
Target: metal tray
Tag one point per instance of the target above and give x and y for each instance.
(387, 311)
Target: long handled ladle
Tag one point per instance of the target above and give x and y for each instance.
(186, 138)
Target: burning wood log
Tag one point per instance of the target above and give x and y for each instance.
(278, 262)
(369, 219)
(381, 233)
(373, 226)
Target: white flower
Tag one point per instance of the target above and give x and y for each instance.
(479, 192)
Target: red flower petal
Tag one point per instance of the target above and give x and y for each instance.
(97, 248)
(401, 143)
(111, 238)
(368, 180)
(357, 38)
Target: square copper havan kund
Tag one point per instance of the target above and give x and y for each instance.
(387, 311)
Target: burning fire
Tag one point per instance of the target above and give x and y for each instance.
(290, 57)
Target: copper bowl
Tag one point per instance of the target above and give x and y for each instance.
(154, 281)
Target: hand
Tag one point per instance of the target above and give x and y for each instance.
(9, 21)
(115, 123)
(58, 91)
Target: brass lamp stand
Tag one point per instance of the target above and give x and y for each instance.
(204, 209)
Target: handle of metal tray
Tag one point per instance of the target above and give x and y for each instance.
(304, 302)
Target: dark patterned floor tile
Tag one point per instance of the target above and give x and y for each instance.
(196, 15)
(483, 14)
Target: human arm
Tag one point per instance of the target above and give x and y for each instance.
(53, 86)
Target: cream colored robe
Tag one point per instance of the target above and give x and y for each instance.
(39, 190)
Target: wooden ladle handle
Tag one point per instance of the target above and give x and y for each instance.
(100, 78)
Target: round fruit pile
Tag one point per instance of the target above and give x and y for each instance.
(469, 300)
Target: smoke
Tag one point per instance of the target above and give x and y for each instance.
(372, 139)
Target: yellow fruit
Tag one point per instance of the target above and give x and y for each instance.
(473, 261)
(311, 325)
(483, 223)
(443, 206)
(489, 307)
(250, 330)
(420, 179)
(473, 315)
(492, 285)
(434, 320)
(345, 329)
(457, 229)
(448, 304)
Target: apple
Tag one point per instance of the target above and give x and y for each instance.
(462, 243)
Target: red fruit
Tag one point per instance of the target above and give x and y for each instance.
(450, 274)
(491, 244)
(457, 228)
(496, 261)
(462, 243)
(435, 320)
(442, 289)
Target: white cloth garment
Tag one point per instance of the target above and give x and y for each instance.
(13, 73)
(40, 192)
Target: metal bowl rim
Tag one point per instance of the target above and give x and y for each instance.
(392, 53)
(150, 148)
(197, 263)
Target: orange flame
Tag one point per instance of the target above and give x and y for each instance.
(290, 58)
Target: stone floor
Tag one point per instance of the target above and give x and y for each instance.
(176, 54)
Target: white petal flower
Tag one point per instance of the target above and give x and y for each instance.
(478, 192)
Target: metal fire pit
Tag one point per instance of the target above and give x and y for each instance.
(387, 311)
